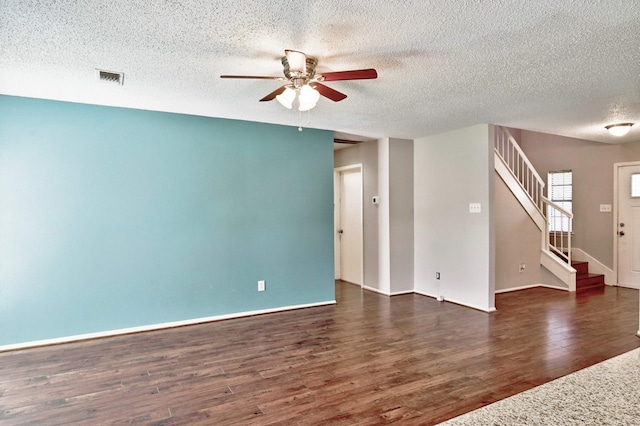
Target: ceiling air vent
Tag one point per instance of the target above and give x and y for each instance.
(110, 76)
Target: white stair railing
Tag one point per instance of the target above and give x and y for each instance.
(516, 161)
(521, 168)
(559, 226)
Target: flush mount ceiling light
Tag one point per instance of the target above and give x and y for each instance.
(619, 129)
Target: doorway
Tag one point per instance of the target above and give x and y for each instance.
(627, 224)
(348, 224)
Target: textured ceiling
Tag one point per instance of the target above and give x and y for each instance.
(563, 67)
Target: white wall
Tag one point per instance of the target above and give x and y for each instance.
(401, 215)
(452, 170)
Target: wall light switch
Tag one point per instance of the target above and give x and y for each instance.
(605, 208)
(475, 208)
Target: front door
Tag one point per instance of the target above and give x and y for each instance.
(628, 225)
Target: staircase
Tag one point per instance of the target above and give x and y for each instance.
(585, 280)
(528, 187)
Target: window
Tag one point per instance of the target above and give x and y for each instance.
(635, 185)
(560, 191)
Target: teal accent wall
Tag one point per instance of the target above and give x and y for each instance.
(113, 218)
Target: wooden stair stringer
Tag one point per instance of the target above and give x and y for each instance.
(516, 189)
(559, 268)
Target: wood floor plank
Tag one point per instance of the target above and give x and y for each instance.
(368, 360)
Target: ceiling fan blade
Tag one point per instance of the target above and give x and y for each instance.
(366, 74)
(328, 92)
(271, 96)
(261, 77)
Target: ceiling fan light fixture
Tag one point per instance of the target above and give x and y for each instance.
(297, 61)
(619, 129)
(306, 107)
(302, 81)
(287, 97)
(308, 98)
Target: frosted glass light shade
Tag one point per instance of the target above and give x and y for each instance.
(308, 98)
(286, 98)
(620, 129)
(297, 61)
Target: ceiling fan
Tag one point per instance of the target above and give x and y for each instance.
(304, 83)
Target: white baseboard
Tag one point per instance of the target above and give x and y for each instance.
(152, 327)
(524, 287)
(376, 290)
(400, 293)
(466, 305)
(395, 293)
(633, 287)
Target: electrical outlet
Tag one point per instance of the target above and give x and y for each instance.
(262, 285)
(475, 208)
(522, 266)
(437, 275)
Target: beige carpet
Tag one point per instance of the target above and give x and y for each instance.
(603, 394)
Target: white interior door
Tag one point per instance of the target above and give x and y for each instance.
(349, 229)
(628, 226)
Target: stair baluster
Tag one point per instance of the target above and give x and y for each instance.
(517, 162)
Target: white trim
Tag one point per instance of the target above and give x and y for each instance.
(616, 171)
(526, 287)
(400, 293)
(397, 293)
(337, 188)
(375, 290)
(349, 167)
(466, 305)
(154, 327)
(631, 286)
(384, 218)
(560, 269)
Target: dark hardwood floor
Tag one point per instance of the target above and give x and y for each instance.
(368, 360)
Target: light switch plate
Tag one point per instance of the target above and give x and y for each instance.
(605, 208)
(475, 208)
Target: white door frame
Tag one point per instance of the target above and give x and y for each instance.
(336, 215)
(616, 171)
